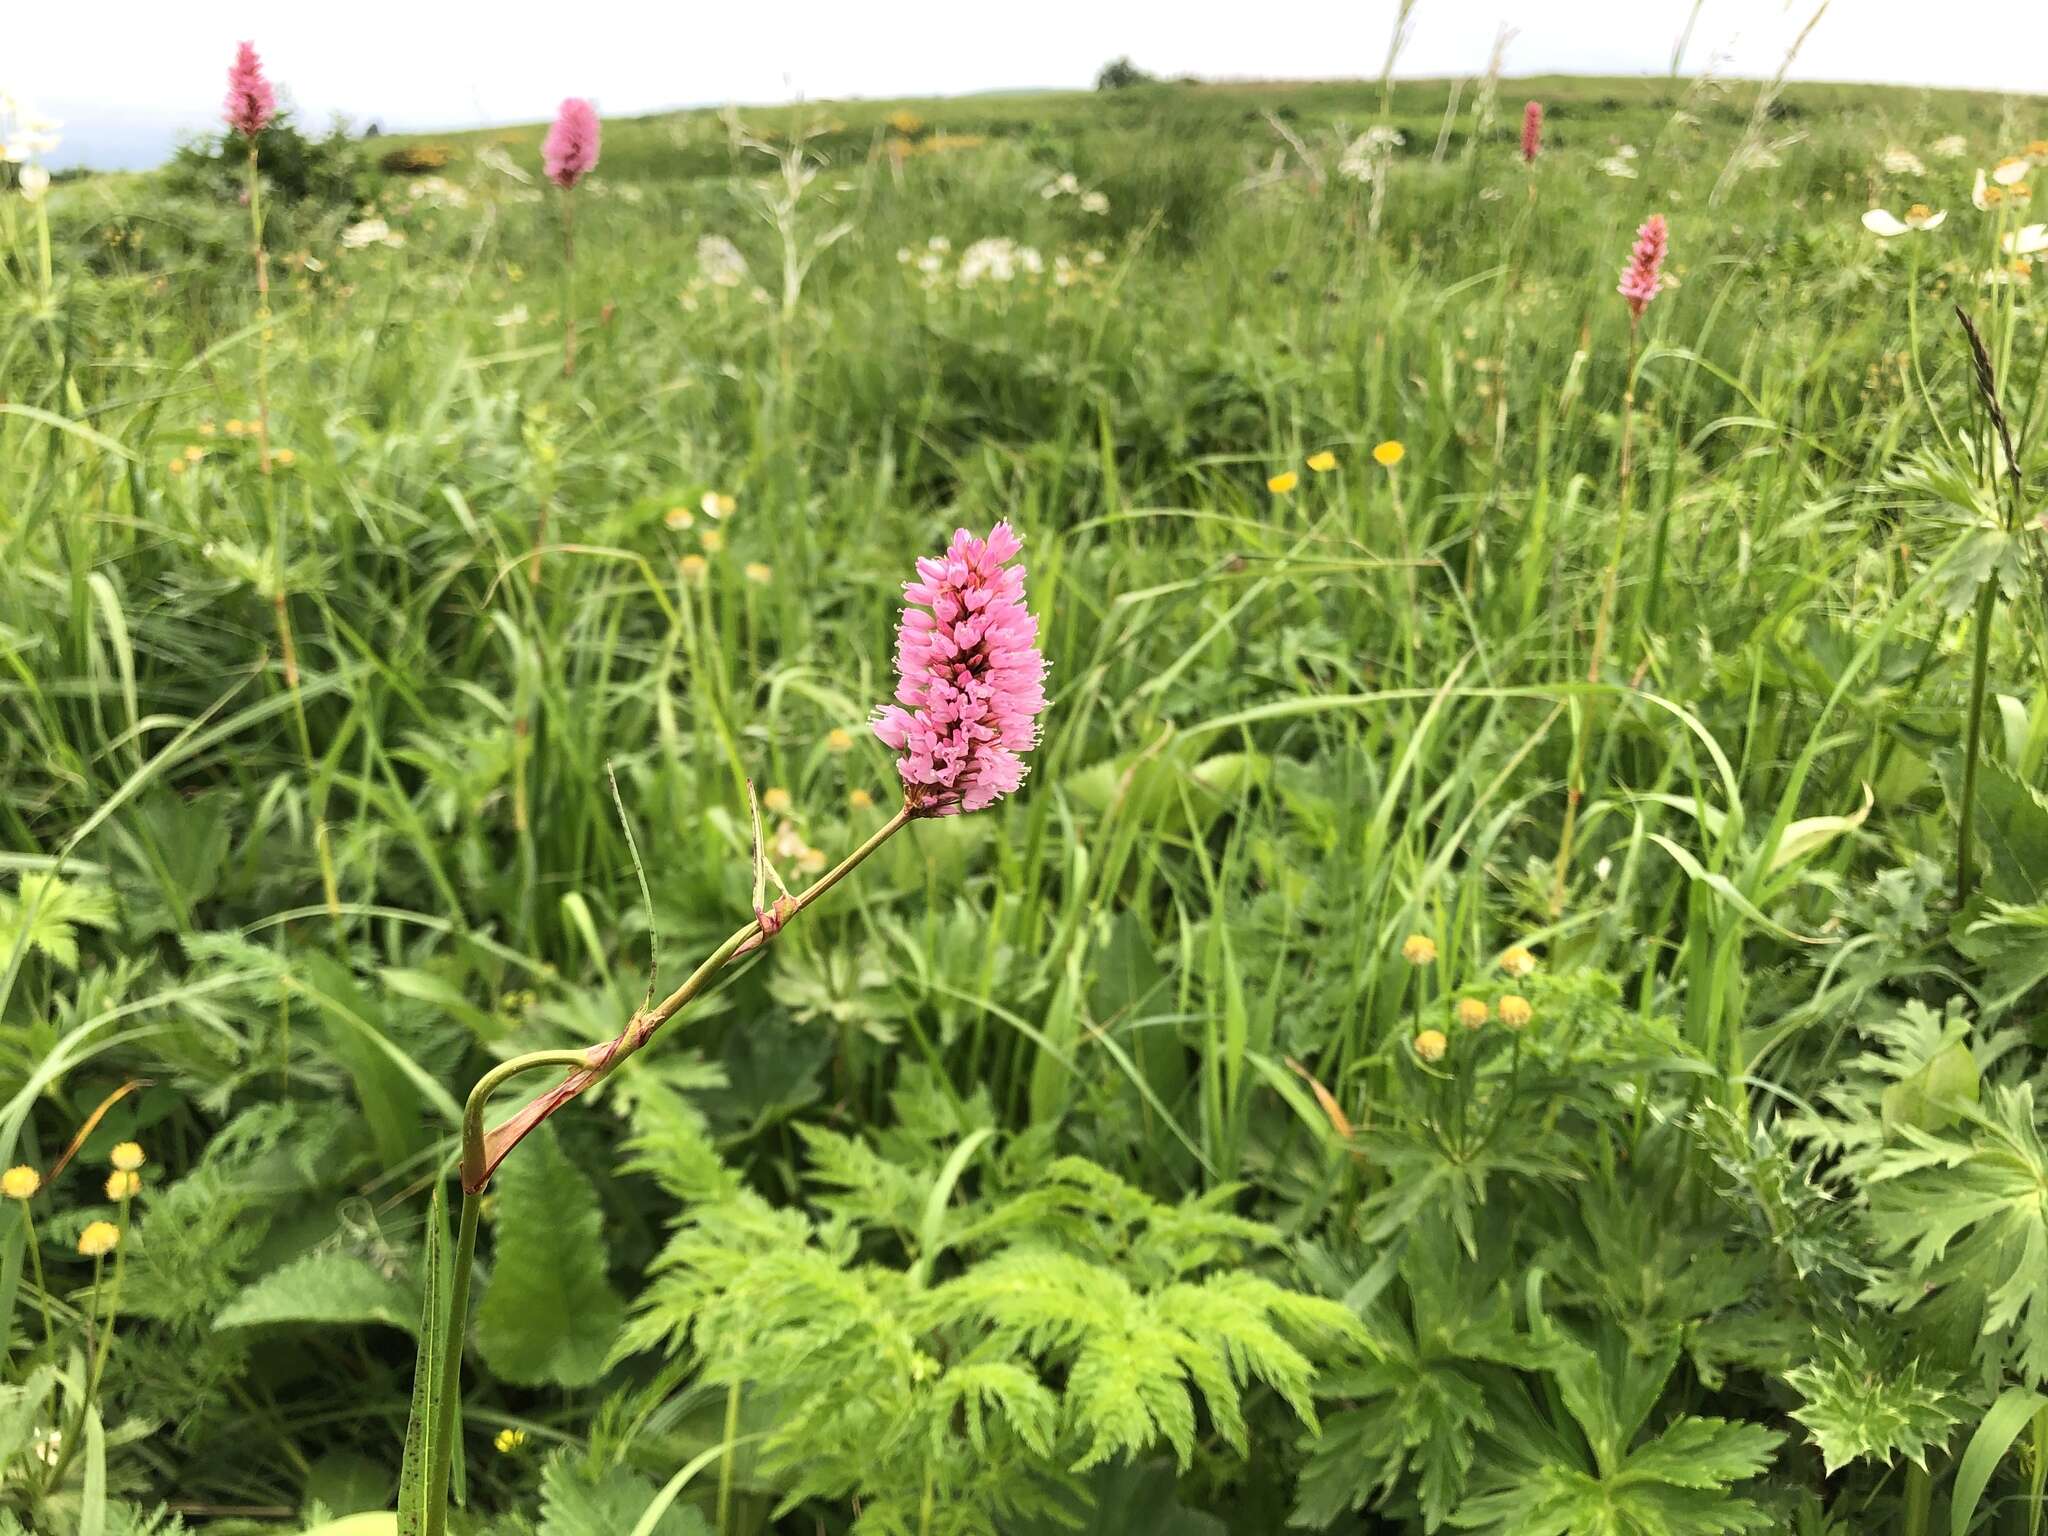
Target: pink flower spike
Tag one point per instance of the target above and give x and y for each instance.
(1532, 132)
(251, 103)
(570, 149)
(1644, 275)
(969, 669)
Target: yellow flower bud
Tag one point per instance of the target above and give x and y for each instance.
(123, 1184)
(1388, 454)
(1322, 463)
(1472, 1012)
(1518, 962)
(20, 1183)
(99, 1239)
(775, 800)
(509, 1440)
(1515, 1011)
(1431, 1044)
(1419, 949)
(837, 740)
(1283, 482)
(127, 1156)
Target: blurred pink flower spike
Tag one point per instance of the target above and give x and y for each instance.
(251, 103)
(970, 678)
(1643, 277)
(569, 152)
(1532, 132)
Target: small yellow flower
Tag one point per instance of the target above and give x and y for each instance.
(1472, 1012)
(811, 861)
(760, 575)
(775, 801)
(1515, 1011)
(1388, 454)
(234, 426)
(859, 800)
(693, 568)
(177, 464)
(1431, 1044)
(837, 740)
(1322, 463)
(207, 429)
(194, 453)
(1283, 482)
(20, 1183)
(712, 540)
(1518, 962)
(718, 504)
(123, 1184)
(98, 1239)
(509, 1440)
(2037, 149)
(127, 1156)
(1419, 949)
(679, 518)
(284, 458)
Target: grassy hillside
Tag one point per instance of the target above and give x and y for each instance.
(1509, 1001)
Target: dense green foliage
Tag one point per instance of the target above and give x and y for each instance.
(1089, 1162)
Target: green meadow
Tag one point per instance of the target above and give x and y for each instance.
(1511, 999)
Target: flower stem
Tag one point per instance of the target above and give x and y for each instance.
(35, 1257)
(451, 1364)
(482, 1151)
(1987, 612)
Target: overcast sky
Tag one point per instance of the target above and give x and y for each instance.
(126, 74)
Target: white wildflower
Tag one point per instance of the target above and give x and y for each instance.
(721, 262)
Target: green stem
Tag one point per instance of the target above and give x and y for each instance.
(725, 1466)
(1987, 610)
(35, 1257)
(451, 1366)
(1919, 1498)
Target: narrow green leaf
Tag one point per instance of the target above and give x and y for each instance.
(1987, 1448)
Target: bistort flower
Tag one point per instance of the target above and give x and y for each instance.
(1532, 132)
(970, 677)
(1643, 277)
(570, 150)
(251, 103)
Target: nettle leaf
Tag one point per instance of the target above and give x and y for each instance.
(2011, 821)
(47, 913)
(576, 1501)
(329, 1288)
(1856, 1410)
(550, 1315)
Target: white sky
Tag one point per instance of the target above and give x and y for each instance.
(125, 73)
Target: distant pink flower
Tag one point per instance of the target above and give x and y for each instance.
(970, 672)
(1644, 275)
(570, 149)
(1532, 131)
(251, 103)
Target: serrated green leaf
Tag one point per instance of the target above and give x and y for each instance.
(550, 1315)
(329, 1288)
